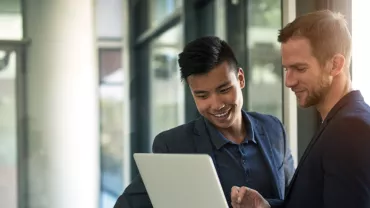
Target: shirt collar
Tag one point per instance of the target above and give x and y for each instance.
(219, 140)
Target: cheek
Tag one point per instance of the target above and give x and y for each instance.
(308, 81)
(202, 105)
(233, 98)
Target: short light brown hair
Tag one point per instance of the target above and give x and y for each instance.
(326, 31)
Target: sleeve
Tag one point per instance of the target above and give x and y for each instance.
(135, 195)
(346, 165)
(288, 166)
(288, 161)
(288, 158)
(276, 203)
(160, 144)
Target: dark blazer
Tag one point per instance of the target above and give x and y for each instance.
(334, 171)
(193, 138)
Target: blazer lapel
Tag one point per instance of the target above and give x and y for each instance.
(305, 154)
(264, 143)
(202, 140)
(350, 97)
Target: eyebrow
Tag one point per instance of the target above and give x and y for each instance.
(218, 87)
(223, 85)
(295, 65)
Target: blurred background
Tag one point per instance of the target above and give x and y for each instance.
(85, 84)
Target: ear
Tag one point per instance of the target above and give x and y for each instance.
(241, 78)
(338, 63)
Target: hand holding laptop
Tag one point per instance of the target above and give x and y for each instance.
(242, 197)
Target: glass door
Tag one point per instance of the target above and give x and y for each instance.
(8, 129)
(11, 120)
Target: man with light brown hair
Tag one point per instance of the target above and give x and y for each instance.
(334, 171)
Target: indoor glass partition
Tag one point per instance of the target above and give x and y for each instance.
(13, 157)
(8, 129)
(265, 92)
(166, 88)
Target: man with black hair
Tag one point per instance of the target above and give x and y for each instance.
(247, 148)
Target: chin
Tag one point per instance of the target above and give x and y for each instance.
(305, 104)
(225, 123)
(302, 104)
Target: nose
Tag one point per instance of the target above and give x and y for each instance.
(290, 80)
(217, 103)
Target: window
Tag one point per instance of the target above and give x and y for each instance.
(8, 130)
(111, 124)
(166, 88)
(265, 93)
(160, 9)
(10, 20)
(109, 19)
(361, 45)
(109, 32)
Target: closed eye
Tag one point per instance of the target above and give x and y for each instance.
(301, 69)
(225, 90)
(201, 96)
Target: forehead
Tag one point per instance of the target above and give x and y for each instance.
(296, 50)
(218, 75)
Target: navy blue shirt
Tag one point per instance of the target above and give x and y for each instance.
(241, 164)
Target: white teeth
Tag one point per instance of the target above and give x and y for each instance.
(220, 115)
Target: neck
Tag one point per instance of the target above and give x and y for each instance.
(236, 132)
(339, 88)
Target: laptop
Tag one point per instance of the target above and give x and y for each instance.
(180, 180)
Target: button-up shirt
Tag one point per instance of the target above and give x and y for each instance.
(241, 164)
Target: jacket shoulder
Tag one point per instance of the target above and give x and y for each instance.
(271, 126)
(265, 119)
(177, 139)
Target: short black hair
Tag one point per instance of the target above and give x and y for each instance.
(203, 54)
